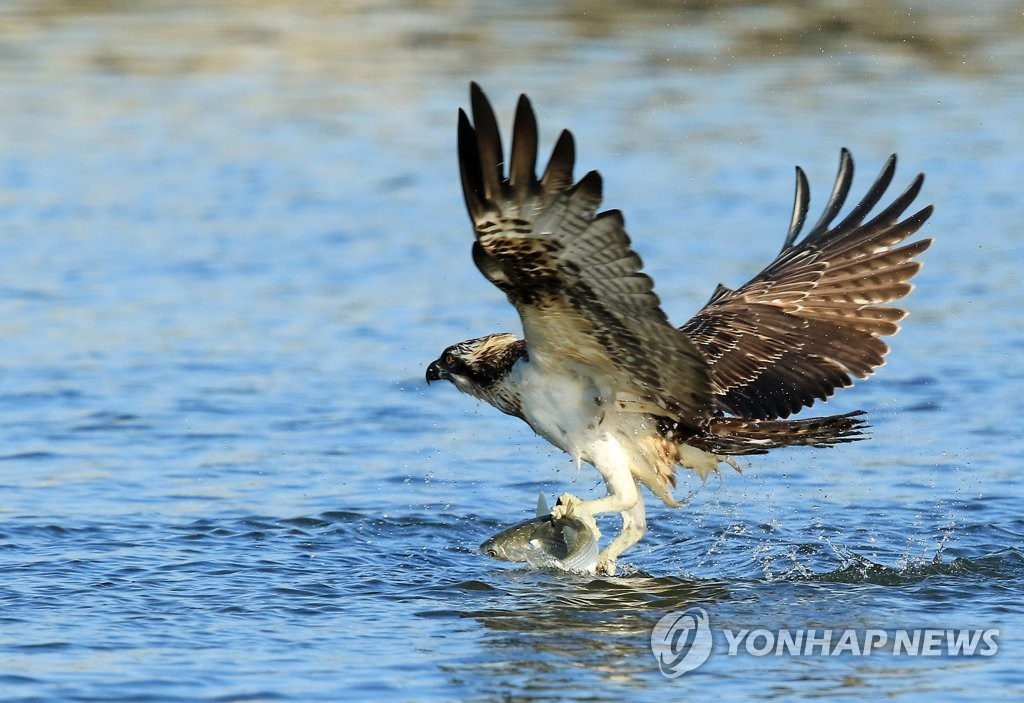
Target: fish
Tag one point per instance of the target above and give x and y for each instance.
(568, 544)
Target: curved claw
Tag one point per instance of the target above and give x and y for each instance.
(568, 504)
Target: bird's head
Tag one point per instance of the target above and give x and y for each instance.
(474, 366)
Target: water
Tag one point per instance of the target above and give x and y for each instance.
(233, 238)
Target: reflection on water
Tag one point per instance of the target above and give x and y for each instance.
(232, 236)
(545, 629)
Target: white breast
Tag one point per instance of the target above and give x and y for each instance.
(565, 408)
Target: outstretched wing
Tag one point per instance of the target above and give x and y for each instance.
(813, 319)
(570, 271)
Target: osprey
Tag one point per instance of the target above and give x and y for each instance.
(602, 374)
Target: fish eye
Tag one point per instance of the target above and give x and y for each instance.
(448, 358)
(492, 553)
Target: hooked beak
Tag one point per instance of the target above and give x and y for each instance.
(435, 372)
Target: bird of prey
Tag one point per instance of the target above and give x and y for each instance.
(602, 374)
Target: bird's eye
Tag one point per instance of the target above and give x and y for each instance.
(449, 359)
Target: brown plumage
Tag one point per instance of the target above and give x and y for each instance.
(811, 320)
(734, 436)
(605, 376)
(569, 271)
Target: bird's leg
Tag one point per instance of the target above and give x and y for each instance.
(634, 527)
(623, 498)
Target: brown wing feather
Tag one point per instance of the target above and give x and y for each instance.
(810, 322)
(570, 271)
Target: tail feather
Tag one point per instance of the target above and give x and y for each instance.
(732, 436)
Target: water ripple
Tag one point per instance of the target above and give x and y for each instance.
(232, 238)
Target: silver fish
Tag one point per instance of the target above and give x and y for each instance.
(567, 544)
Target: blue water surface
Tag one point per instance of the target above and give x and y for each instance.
(233, 237)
